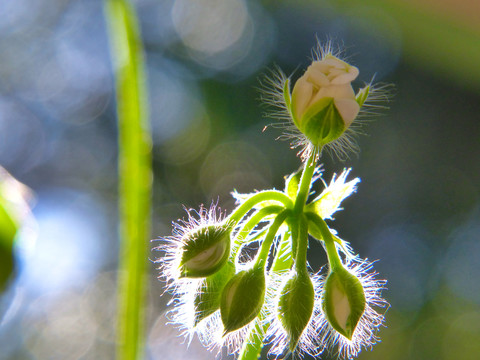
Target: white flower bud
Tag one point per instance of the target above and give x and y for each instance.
(323, 102)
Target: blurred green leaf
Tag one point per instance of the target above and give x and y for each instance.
(14, 208)
(8, 229)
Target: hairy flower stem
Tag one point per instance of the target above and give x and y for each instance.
(305, 182)
(300, 241)
(302, 245)
(333, 258)
(270, 195)
(267, 243)
(253, 221)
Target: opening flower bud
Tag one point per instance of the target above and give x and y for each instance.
(323, 103)
(205, 251)
(207, 298)
(242, 298)
(295, 307)
(343, 301)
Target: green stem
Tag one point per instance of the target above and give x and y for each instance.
(253, 343)
(293, 225)
(314, 231)
(249, 204)
(327, 237)
(305, 182)
(254, 220)
(302, 246)
(299, 223)
(267, 242)
(134, 176)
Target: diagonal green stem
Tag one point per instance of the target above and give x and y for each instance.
(327, 237)
(314, 230)
(249, 204)
(267, 242)
(134, 175)
(253, 221)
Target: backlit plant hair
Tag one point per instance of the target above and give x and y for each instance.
(283, 303)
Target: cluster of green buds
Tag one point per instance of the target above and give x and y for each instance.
(275, 297)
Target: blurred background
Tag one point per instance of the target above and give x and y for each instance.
(417, 208)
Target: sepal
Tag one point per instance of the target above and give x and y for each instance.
(329, 201)
(362, 95)
(322, 123)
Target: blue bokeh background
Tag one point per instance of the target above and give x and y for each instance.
(417, 208)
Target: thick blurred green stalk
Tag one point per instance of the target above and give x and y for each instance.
(135, 175)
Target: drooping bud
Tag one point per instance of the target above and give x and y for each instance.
(295, 306)
(343, 301)
(205, 251)
(207, 298)
(242, 298)
(323, 103)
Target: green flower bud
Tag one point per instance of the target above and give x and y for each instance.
(323, 103)
(295, 306)
(205, 251)
(242, 298)
(207, 298)
(343, 301)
